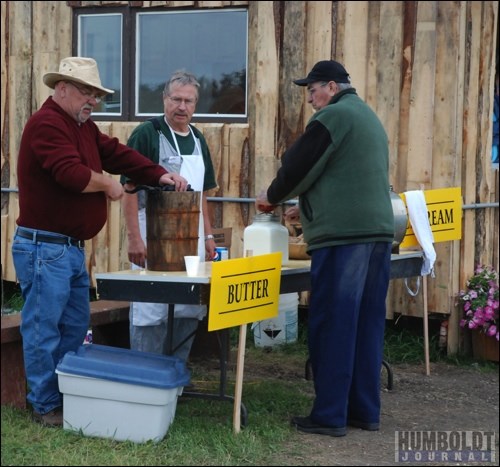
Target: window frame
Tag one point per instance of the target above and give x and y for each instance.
(128, 59)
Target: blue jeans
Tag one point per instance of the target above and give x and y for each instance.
(346, 325)
(56, 313)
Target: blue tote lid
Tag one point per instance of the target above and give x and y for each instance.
(126, 366)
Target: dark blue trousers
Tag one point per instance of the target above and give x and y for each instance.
(346, 323)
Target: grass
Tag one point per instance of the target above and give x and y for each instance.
(404, 343)
(202, 431)
(201, 434)
(12, 301)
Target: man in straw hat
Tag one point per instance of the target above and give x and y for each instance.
(63, 194)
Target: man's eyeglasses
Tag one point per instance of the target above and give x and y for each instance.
(178, 101)
(86, 92)
(311, 91)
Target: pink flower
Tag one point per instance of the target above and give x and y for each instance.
(480, 302)
(492, 330)
(472, 325)
(489, 312)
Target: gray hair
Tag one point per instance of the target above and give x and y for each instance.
(183, 78)
(343, 86)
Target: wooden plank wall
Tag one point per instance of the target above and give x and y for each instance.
(426, 67)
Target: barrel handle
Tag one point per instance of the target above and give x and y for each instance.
(413, 294)
(155, 188)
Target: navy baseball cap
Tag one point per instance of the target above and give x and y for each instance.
(326, 70)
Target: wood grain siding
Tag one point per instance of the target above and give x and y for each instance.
(425, 67)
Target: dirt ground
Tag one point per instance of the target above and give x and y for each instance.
(451, 398)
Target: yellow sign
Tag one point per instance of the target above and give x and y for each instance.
(244, 290)
(444, 209)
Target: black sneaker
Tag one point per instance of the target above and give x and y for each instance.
(364, 425)
(306, 425)
(52, 418)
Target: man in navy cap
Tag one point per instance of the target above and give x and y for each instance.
(339, 170)
(324, 70)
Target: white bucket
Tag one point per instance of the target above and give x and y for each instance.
(282, 329)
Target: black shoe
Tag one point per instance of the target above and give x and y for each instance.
(364, 425)
(306, 425)
(52, 418)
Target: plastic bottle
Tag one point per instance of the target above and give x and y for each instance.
(266, 235)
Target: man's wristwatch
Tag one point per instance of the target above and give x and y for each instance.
(209, 237)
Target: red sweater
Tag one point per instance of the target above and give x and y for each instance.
(56, 157)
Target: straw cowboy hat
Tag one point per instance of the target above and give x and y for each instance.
(78, 69)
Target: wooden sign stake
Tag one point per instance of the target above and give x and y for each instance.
(240, 364)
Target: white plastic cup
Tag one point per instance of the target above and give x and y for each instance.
(192, 264)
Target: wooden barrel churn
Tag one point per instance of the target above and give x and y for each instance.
(172, 220)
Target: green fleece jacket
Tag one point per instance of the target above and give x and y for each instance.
(339, 170)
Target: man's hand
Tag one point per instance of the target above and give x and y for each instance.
(174, 179)
(114, 191)
(292, 215)
(262, 204)
(103, 182)
(137, 251)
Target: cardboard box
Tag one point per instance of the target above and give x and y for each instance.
(222, 238)
(118, 393)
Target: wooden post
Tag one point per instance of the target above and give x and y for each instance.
(240, 364)
(426, 321)
(426, 326)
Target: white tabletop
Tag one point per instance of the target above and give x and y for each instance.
(205, 271)
(203, 276)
